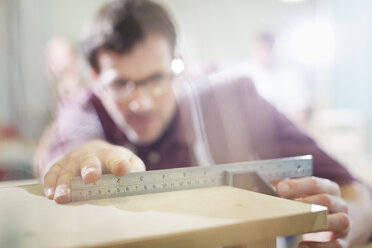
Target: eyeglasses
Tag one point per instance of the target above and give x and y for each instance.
(156, 85)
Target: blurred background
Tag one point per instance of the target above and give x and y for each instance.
(310, 58)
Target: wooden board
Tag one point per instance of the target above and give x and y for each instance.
(208, 217)
(369, 245)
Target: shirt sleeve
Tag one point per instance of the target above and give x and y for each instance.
(294, 141)
(273, 135)
(289, 140)
(76, 122)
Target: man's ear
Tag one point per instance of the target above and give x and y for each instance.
(94, 73)
(178, 64)
(178, 54)
(178, 61)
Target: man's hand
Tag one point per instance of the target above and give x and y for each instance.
(323, 192)
(89, 161)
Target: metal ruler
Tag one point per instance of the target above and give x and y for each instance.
(157, 181)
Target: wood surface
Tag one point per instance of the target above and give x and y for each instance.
(208, 217)
(369, 245)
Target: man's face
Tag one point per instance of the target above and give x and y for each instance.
(138, 94)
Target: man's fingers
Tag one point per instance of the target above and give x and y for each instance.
(337, 243)
(302, 187)
(338, 223)
(90, 168)
(338, 227)
(117, 161)
(50, 180)
(89, 160)
(333, 203)
(63, 192)
(137, 163)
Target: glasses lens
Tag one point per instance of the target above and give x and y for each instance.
(155, 86)
(158, 84)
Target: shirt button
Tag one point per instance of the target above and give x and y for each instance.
(154, 157)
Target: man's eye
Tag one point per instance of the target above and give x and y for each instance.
(156, 79)
(119, 84)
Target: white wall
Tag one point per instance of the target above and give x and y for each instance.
(224, 30)
(25, 27)
(4, 98)
(212, 30)
(351, 86)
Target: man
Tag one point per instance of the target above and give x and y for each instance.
(132, 114)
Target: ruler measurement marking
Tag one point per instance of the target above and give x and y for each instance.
(185, 178)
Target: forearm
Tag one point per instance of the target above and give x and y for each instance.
(49, 150)
(360, 212)
(40, 156)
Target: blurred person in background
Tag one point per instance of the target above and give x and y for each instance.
(142, 113)
(280, 83)
(62, 66)
(63, 69)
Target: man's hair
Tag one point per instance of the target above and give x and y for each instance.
(121, 24)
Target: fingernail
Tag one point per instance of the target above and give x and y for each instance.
(49, 191)
(61, 190)
(87, 170)
(283, 188)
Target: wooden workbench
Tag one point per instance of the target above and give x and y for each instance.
(209, 217)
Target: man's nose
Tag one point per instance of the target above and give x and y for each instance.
(141, 101)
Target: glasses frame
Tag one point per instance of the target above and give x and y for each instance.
(132, 86)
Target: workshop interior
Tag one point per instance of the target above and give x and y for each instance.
(320, 48)
(310, 59)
